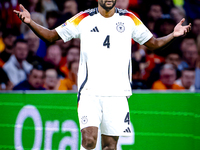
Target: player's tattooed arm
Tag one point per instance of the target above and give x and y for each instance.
(179, 30)
(42, 32)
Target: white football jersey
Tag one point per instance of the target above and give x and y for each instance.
(105, 57)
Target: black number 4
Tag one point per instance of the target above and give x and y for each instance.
(127, 119)
(107, 41)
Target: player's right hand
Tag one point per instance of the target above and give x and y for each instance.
(24, 15)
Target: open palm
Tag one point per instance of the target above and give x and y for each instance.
(24, 15)
(181, 30)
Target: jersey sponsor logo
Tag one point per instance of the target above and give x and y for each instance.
(120, 27)
(95, 29)
(84, 120)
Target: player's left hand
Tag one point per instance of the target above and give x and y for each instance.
(181, 30)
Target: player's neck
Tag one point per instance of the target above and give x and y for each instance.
(105, 13)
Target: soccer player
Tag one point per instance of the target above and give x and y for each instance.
(104, 75)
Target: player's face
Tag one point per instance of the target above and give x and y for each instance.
(107, 4)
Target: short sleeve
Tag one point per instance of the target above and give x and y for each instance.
(141, 33)
(69, 29)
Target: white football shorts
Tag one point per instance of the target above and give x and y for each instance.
(111, 114)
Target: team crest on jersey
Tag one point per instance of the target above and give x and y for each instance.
(84, 120)
(120, 27)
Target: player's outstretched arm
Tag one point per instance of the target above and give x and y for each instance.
(42, 32)
(179, 30)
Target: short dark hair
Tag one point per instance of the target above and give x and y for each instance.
(19, 41)
(37, 65)
(52, 14)
(188, 69)
(7, 32)
(192, 20)
(178, 52)
(152, 3)
(189, 35)
(160, 22)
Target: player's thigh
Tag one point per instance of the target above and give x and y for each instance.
(109, 142)
(89, 111)
(116, 121)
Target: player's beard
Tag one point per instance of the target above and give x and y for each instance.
(102, 3)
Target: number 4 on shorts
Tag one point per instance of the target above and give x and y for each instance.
(127, 118)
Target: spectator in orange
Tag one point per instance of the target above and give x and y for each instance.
(173, 58)
(70, 83)
(147, 61)
(2, 26)
(73, 54)
(64, 46)
(151, 61)
(167, 79)
(73, 72)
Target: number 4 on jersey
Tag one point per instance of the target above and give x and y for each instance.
(107, 41)
(127, 119)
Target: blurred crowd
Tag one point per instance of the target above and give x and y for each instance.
(28, 63)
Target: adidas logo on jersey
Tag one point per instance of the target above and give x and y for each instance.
(128, 130)
(95, 29)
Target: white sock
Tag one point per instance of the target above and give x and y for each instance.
(82, 148)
